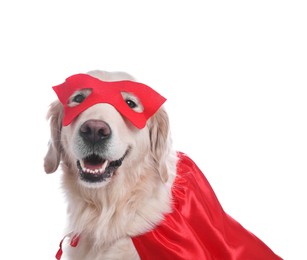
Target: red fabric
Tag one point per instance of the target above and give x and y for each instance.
(108, 92)
(73, 242)
(198, 228)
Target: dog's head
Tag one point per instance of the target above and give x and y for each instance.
(101, 138)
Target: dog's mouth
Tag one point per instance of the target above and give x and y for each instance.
(94, 168)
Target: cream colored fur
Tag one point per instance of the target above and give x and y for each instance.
(136, 198)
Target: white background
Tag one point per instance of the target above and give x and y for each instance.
(234, 73)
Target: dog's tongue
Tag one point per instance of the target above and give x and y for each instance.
(92, 166)
(98, 167)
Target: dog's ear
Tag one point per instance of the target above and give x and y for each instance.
(160, 142)
(53, 156)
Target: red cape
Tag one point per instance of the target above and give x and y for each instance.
(198, 227)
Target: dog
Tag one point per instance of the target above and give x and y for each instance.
(121, 182)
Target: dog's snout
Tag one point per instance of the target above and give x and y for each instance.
(95, 131)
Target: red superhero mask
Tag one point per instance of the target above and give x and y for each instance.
(111, 93)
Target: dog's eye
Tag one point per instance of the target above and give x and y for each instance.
(78, 98)
(131, 103)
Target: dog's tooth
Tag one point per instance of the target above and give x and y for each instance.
(82, 164)
(104, 166)
(83, 167)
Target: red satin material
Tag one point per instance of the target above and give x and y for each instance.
(111, 93)
(198, 227)
(73, 242)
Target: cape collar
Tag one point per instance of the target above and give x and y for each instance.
(74, 241)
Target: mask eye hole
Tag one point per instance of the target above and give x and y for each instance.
(78, 97)
(133, 102)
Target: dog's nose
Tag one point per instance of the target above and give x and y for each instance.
(95, 131)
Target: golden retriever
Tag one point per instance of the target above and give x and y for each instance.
(139, 167)
(124, 184)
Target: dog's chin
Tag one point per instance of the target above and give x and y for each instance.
(96, 171)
